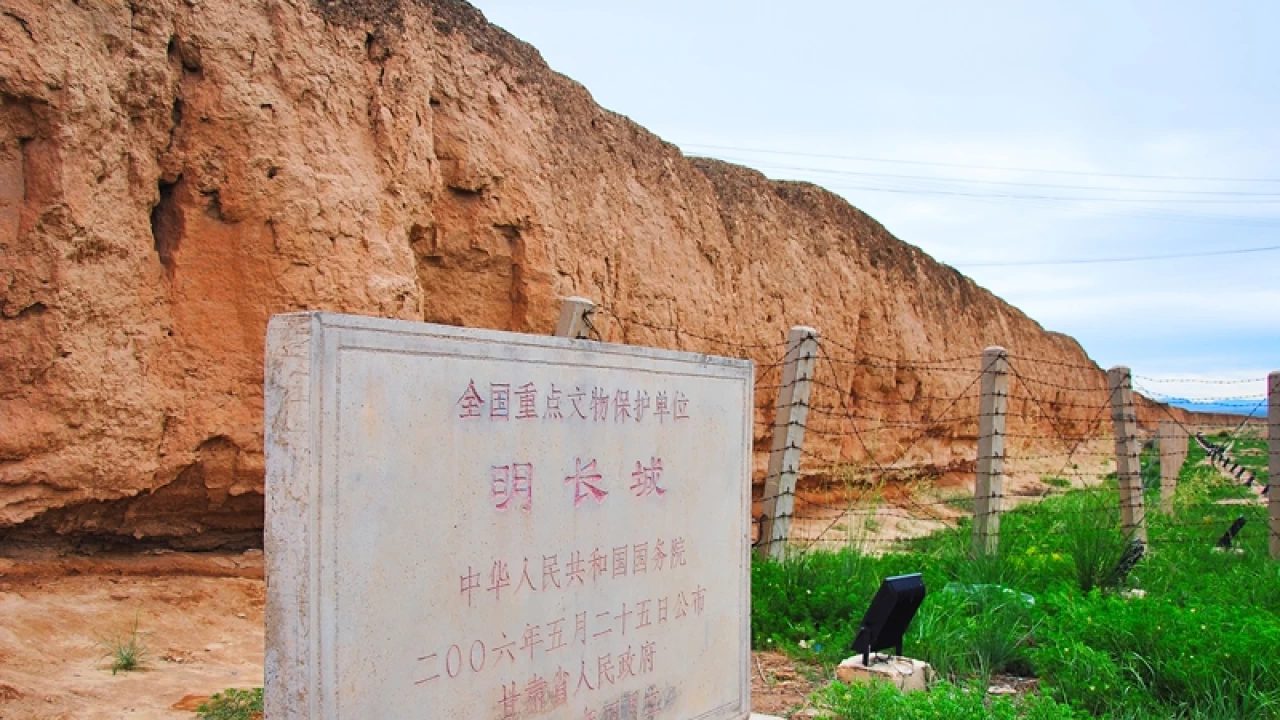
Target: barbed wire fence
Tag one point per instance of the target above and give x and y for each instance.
(856, 448)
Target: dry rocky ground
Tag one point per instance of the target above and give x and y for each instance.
(200, 617)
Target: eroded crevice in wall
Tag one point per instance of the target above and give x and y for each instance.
(208, 505)
(166, 223)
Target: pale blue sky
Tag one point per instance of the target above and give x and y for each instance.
(1090, 89)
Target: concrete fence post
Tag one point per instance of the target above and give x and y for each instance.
(1128, 466)
(575, 318)
(1273, 462)
(788, 438)
(1171, 459)
(988, 486)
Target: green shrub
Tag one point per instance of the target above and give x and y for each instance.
(232, 704)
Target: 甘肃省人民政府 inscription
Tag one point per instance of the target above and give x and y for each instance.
(473, 524)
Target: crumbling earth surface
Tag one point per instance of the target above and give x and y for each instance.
(173, 173)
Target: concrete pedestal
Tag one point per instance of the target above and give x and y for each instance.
(905, 673)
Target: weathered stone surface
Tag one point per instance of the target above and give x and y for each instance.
(173, 173)
(905, 673)
(471, 524)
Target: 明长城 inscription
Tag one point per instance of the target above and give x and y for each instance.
(471, 524)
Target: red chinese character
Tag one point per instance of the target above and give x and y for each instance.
(470, 583)
(698, 596)
(640, 405)
(527, 402)
(574, 571)
(555, 635)
(427, 658)
(640, 557)
(525, 579)
(677, 552)
(499, 578)
(470, 402)
(588, 713)
(620, 561)
(621, 406)
(559, 688)
(605, 617)
(682, 406)
(580, 628)
(611, 711)
(652, 703)
(532, 639)
(630, 704)
(661, 406)
(508, 481)
(682, 605)
(599, 404)
(604, 668)
(550, 570)
(582, 679)
(599, 564)
(553, 404)
(662, 610)
(586, 482)
(535, 695)
(644, 480)
(508, 702)
(505, 649)
(658, 555)
(626, 662)
(642, 609)
(476, 665)
(499, 400)
(576, 398)
(453, 661)
(623, 616)
(647, 652)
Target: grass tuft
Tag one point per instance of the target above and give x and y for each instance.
(126, 650)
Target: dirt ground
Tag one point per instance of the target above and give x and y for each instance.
(200, 618)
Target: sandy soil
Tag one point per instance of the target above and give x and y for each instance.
(200, 617)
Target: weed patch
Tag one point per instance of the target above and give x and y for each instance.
(233, 704)
(1199, 643)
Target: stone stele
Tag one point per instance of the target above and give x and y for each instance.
(476, 524)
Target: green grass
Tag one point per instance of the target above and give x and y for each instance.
(232, 704)
(1201, 643)
(126, 650)
(881, 701)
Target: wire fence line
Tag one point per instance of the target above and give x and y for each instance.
(868, 449)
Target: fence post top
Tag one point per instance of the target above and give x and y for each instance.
(580, 300)
(1118, 370)
(995, 350)
(804, 329)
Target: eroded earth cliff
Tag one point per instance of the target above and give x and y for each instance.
(174, 172)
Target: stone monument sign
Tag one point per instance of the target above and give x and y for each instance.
(476, 524)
